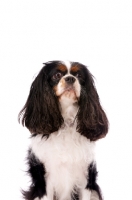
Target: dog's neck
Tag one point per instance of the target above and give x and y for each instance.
(69, 109)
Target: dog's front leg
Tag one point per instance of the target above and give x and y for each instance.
(49, 190)
(85, 194)
(44, 198)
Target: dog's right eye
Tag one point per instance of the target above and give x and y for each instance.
(57, 76)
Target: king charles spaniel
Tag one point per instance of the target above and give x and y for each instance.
(65, 117)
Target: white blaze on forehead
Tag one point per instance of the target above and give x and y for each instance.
(67, 64)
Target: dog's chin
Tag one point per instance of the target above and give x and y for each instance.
(69, 94)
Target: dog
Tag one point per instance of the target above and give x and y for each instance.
(65, 118)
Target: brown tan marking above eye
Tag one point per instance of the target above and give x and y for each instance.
(75, 68)
(62, 68)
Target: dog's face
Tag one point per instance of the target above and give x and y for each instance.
(60, 82)
(66, 80)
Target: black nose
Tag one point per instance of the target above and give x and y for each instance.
(70, 79)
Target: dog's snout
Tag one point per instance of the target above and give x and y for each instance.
(70, 79)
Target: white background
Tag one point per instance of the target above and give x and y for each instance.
(97, 33)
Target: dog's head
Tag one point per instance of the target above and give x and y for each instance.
(64, 82)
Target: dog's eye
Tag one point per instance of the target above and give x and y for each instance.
(57, 76)
(78, 75)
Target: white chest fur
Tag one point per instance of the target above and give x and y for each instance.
(66, 156)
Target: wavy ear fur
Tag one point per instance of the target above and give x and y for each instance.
(92, 120)
(41, 112)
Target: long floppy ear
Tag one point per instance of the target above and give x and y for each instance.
(91, 118)
(41, 112)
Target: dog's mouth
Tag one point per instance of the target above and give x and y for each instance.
(69, 89)
(70, 93)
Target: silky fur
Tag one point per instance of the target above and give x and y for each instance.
(64, 115)
(66, 154)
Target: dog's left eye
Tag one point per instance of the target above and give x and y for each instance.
(78, 75)
(57, 76)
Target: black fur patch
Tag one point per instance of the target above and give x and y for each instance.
(92, 177)
(36, 171)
